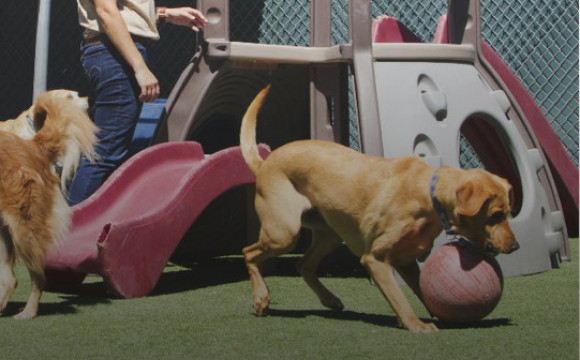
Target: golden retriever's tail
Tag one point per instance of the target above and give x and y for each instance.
(248, 132)
(65, 132)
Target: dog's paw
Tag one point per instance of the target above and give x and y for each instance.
(25, 315)
(261, 305)
(421, 327)
(261, 310)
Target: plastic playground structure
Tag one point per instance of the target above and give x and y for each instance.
(410, 98)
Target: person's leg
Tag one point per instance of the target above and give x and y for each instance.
(115, 111)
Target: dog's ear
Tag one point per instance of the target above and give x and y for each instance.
(39, 117)
(470, 198)
(511, 196)
(510, 191)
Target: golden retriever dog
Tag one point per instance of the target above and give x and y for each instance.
(385, 210)
(34, 213)
(25, 127)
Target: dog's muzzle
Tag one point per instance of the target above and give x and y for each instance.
(490, 249)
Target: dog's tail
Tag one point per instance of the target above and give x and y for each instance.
(65, 133)
(248, 132)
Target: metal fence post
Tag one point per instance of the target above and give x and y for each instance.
(41, 53)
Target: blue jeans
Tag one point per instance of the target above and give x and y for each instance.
(115, 111)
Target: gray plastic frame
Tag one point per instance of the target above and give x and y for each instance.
(384, 118)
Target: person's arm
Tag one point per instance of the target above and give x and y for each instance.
(184, 16)
(116, 30)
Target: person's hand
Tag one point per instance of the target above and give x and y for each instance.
(148, 83)
(186, 16)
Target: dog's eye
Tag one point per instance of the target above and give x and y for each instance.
(497, 217)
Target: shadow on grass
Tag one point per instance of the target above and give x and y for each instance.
(481, 324)
(69, 305)
(227, 270)
(176, 279)
(346, 315)
(384, 320)
(200, 275)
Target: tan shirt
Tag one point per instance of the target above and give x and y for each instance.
(139, 15)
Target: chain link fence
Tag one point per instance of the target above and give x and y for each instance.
(537, 38)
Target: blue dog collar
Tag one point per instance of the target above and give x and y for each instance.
(437, 204)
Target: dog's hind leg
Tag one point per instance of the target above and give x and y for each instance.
(280, 219)
(324, 241)
(37, 285)
(33, 257)
(255, 255)
(37, 279)
(8, 282)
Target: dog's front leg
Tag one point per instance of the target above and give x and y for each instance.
(411, 274)
(37, 285)
(382, 273)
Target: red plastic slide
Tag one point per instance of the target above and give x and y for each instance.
(129, 228)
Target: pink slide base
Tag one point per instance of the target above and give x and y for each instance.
(129, 228)
(387, 29)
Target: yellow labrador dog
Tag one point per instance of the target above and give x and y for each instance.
(385, 210)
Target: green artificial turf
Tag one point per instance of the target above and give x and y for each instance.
(206, 313)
